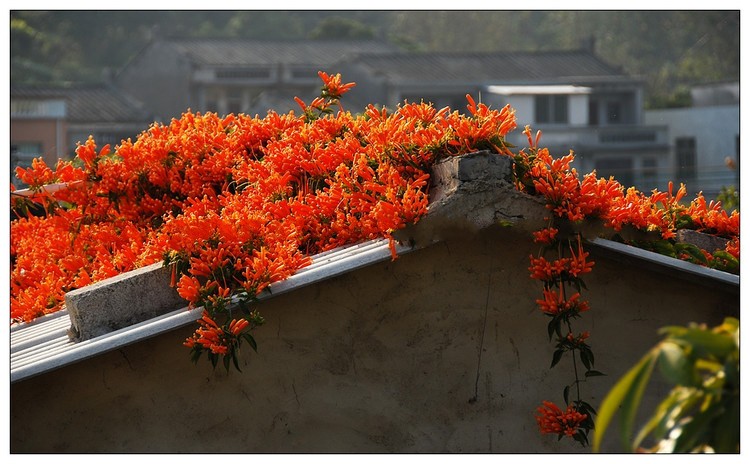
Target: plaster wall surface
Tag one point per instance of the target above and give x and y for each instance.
(442, 350)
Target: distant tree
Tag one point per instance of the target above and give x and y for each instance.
(336, 27)
(266, 24)
(37, 53)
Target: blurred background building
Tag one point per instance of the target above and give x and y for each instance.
(579, 94)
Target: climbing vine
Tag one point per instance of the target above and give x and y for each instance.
(232, 204)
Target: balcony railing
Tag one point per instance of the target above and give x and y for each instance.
(598, 138)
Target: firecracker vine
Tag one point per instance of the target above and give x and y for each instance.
(232, 204)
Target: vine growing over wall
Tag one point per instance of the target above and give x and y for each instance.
(235, 203)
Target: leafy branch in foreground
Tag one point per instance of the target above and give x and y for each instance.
(702, 412)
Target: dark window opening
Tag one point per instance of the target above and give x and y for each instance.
(614, 112)
(593, 113)
(551, 109)
(686, 159)
(258, 73)
(619, 168)
(649, 171)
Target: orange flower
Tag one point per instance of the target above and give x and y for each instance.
(237, 326)
(188, 288)
(552, 419)
(332, 86)
(578, 265)
(545, 236)
(554, 303)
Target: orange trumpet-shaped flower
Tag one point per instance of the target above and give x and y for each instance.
(237, 326)
(552, 419)
(332, 86)
(554, 303)
(545, 236)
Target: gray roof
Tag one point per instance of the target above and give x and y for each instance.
(43, 345)
(244, 52)
(89, 103)
(558, 66)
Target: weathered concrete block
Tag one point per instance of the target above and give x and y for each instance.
(121, 301)
(706, 242)
(472, 192)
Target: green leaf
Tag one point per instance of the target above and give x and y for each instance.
(587, 358)
(587, 408)
(592, 373)
(553, 326)
(707, 343)
(664, 247)
(226, 362)
(674, 364)
(556, 357)
(580, 437)
(566, 393)
(664, 416)
(694, 431)
(693, 251)
(727, 430)
(626, 392)
(684, 221)
(235, 361)
(251, 341)
(727, 256)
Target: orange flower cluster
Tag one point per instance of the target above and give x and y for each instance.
(211, 336)
(552, 419)
(554, 303)
(576, 199)
(234, 203)
(561, 269)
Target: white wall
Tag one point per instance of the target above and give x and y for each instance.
(715, 129)
(578, 110)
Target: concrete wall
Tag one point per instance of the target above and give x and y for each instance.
(442, 350)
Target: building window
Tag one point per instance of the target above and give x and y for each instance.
(211, 99)
(619, 168)
(649, 172)
(234, 101)
(614, 112)
(305, 73)
(244, 73)
(593, 113)
(551, 109)
(686, 159)
(21, 155)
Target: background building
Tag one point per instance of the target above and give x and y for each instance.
(233, 75)
(48, 122)
(704, 139)
(576, 99)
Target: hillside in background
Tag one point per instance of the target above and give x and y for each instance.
(670, 50)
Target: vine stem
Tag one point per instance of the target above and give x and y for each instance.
(575, 368)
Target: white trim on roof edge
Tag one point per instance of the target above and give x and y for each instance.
(538, 89)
